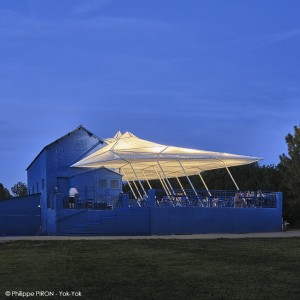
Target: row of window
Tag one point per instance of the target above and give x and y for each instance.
(103, 183)
(37, 187)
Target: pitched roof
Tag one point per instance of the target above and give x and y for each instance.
(80, 127)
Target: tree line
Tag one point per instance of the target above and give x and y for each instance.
(18, 190)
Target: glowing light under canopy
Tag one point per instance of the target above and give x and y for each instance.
(141, 159)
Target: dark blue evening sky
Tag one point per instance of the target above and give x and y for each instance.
(212, 75)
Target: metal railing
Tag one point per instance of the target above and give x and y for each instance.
(217, 198)
(107, 203)
(188, 198)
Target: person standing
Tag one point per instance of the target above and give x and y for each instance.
(72, 194)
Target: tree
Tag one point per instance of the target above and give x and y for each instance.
(290, 166)
(19, 189)
(4, 192)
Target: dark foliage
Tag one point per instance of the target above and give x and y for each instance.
(19, 189)
(290, 169)
(4, 192)
(249, 177)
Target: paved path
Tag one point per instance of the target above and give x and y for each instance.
(287, 234)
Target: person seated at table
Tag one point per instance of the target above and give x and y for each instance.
(243, 202)
(248, 199)
(179, 196)
(184, 200)
(259, 198)
(214, 202)
(237, 200)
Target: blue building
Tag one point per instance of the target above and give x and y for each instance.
(95, 167)
(50, 172)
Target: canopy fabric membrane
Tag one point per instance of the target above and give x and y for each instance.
(139, 159)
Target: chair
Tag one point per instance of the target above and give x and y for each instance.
(88, 204)
(78, 202)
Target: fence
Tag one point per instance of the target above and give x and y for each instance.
(216, 198)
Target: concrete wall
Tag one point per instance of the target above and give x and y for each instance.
(20, 215)
(154, 220)
(130, 221)
(191, 220)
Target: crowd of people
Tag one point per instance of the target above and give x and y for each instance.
(240, 199)
(248, 199)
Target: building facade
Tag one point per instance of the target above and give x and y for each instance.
(50, 172)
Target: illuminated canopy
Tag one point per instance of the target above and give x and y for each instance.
(140, 159)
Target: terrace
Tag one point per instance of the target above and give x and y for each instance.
(157, 213)
(214, 199)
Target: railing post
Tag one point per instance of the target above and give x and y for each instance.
(58, 201)
(279, 201)
(151, 198)
(125, 200)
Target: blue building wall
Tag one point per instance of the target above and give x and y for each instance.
(191, 220)
(153, 220)
(37, 176)
(20, 215)
(130, 221)
(50, 170)
(97, 185)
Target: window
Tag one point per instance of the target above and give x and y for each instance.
(43, 184)
(33, 190)
(102, 183)
(114, 184)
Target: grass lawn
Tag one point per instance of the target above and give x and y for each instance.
(154, 269)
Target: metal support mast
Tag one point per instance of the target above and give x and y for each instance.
(232, 179)
(187, 178)
(147, 180)
(162, 183)
(181, 186)
(167, 179)
(204, 183)
(138, 180)
(129, 185)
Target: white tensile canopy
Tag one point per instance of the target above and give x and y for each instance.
(138, 159)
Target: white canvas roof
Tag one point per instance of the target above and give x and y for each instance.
(141, 159)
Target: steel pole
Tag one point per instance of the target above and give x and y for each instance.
(232, 179)
(181, 186)
(166, 179)
(138, 179)
(204, 183)
(147, 180)
(137, 189)
(159, 177)
(187, 178)
(129, 185)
